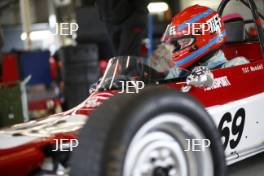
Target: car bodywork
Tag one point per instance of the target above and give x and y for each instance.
(235, 103)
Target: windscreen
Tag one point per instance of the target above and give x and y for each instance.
(129, 68)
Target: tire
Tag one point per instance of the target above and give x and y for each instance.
(145, 134)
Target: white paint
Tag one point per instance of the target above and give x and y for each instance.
(253, 134)
(45, 128)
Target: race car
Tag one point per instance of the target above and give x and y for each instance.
(188, 126)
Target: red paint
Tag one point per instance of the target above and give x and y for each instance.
(26, 158)
(23, 160)
(10, 68)
(232, 16)
(250, 50)
(180, 29)
(242, 85)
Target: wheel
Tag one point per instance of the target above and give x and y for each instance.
(145, 135)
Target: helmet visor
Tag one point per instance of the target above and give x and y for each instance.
(179, 43)
(168, 34)
(182, 43)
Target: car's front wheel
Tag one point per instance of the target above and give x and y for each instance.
(149, 134)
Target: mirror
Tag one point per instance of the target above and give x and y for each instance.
(201, 77)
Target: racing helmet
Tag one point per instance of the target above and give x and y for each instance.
(196, 32)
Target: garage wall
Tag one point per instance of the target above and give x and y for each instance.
(38, 10)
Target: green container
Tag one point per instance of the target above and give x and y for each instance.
(13, 104)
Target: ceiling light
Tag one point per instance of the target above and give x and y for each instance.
(157, 7)
(37, 35)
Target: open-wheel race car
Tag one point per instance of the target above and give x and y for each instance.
(192, 125)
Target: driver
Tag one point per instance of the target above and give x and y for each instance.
(193, 38)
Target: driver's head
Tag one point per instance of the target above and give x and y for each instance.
(195, 32)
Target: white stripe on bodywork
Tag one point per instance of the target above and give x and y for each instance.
(28, 132)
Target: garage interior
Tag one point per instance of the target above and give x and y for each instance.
(53, 51)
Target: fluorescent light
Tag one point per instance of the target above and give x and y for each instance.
(23, 36)
(52, 21)
(36, 35)
(157, 7)
(40, 35)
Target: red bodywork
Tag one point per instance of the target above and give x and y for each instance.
(26, 158)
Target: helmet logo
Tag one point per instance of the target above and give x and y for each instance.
(214, 24)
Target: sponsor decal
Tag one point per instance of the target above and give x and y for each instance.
(214, 24)
(219, 83)
(255, 68)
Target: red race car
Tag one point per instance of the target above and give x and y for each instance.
(193, 125)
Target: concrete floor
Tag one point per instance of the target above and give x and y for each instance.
(250, 167)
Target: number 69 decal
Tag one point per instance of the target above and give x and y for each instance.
(237, 127)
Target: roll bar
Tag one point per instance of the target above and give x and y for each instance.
(255, 13)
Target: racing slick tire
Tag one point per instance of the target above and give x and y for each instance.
(147, 134)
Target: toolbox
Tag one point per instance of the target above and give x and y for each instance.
(13, 103)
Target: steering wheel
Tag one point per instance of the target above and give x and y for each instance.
(256, 16)
(150, 73)
(145, 73)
